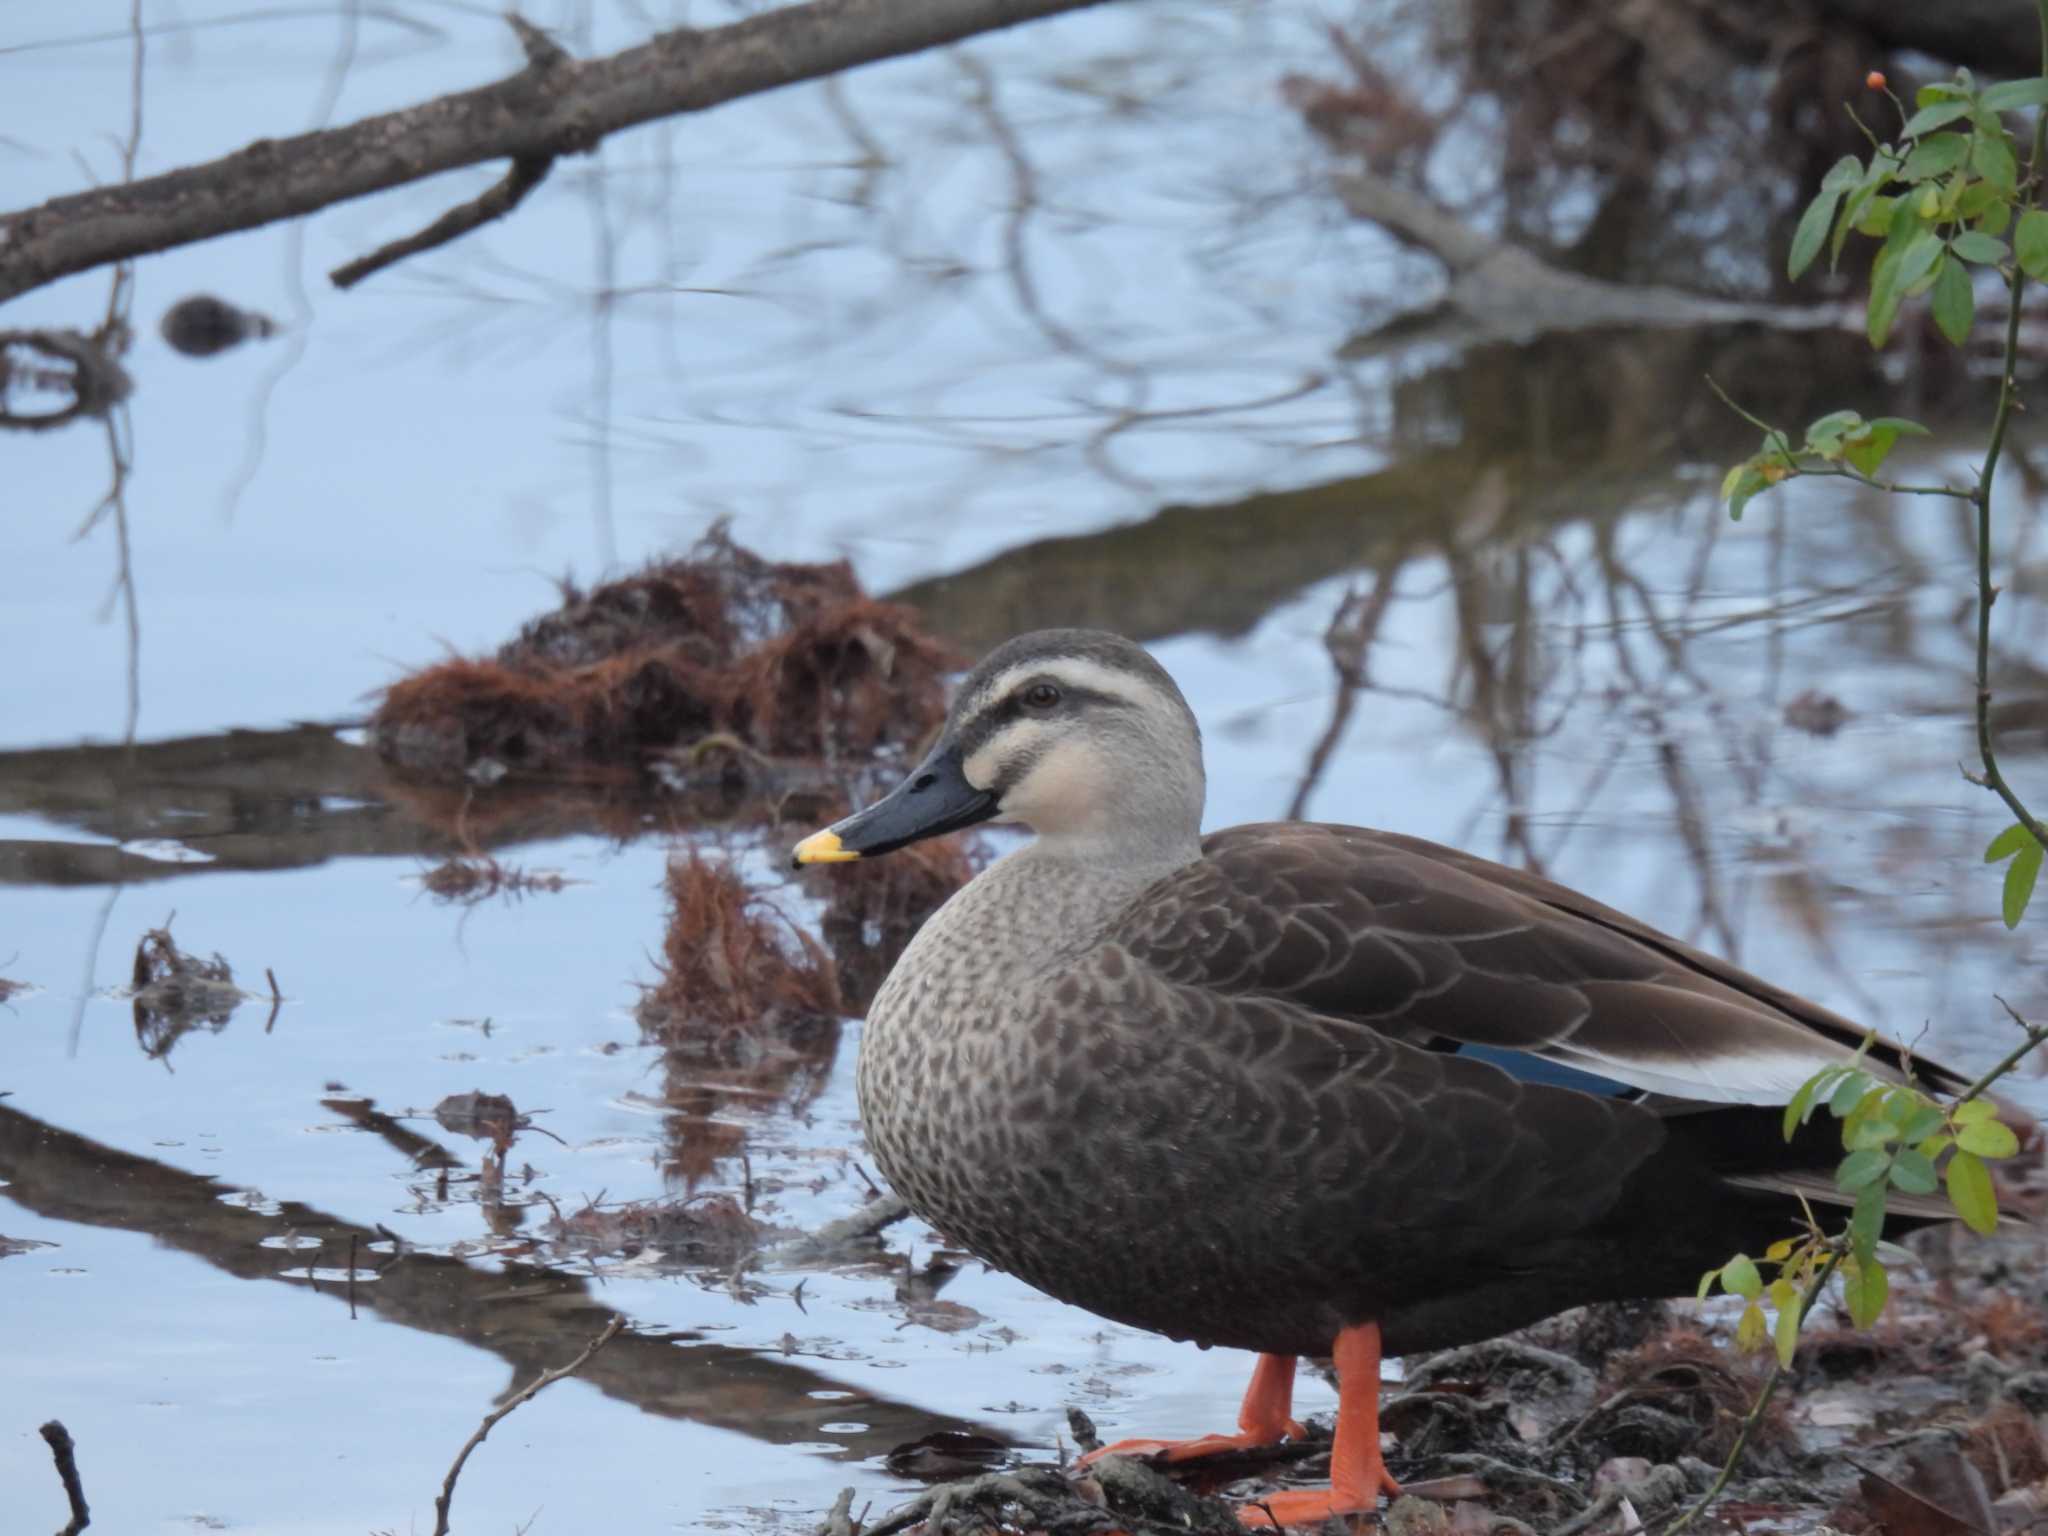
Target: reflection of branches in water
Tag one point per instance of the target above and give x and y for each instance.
(1348, 639)
(114, 332)
(1629, 618)
(299, 332)
(603, 301)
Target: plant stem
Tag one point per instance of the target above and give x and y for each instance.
(1755, 1416)
(2008, 397)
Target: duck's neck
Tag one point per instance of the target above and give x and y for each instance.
(1040, 902)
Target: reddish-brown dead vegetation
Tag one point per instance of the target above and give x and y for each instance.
(1682, 1390)
(787, 660)
(747, 1011)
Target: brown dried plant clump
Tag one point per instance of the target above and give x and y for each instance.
(1681, 1392)
(778, 659)
(732, 960)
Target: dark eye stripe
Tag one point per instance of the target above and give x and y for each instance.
(992, 717)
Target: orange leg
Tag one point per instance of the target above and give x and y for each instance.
(1357, 1475)
(1265, 1418)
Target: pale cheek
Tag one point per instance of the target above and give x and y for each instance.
(1066, 787)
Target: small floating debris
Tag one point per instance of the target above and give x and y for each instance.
(481, 1116)
(204, 326)
(1816, 713)
(176, 992)
(472, 880)
(710, 1231)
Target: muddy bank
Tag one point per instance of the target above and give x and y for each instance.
(1617, 1418)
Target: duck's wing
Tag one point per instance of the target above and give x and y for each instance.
(1437, 947)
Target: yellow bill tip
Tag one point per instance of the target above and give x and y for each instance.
(823, 848)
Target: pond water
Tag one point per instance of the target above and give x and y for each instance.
(1051, 328)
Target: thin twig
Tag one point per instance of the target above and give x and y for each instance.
(545, 1379)
(2036, 1033)
(528, 171)
(64, 1453)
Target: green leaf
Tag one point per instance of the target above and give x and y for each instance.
(1935, 156)
(1974, 245)
(1825, 436)
(1970, 1192)
(1977, 196)
(1970, 1111)
(1785, 1297)
(1869, 1133)
(1848, 1093)
(1750, 1331)
(1899, 1105)
(1988, 1138)
(1934, 115)
(2030, 243)
(1941, 90)
(2011, 95)
(1864, 1287)
(1814, 223)
(1812, 232)
(1861, 1169)
(1801, 1106)
(1955, 302)
(1875, 217)
(1991, 157)
(1882, 165)
(1866, 1222)
(2003, 846)
(1747, 488)
(1924, 1122)
(1996, 218)
(2020, 875)
(1884, 295)
(1868, 449)
(1739, 1278)
(1914, 1173)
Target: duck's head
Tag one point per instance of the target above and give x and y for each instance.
(1075, 733)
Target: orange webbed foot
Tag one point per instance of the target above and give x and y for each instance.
(1266, 1418)
(1312, 1506)
(1190, 1450)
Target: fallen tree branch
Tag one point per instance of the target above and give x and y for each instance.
(64, 1452)
(524, 1394)
(554, 106)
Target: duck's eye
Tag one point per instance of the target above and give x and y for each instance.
(1041, 696)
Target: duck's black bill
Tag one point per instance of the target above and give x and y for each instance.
(935, 799)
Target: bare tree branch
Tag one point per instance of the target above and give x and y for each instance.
(554, 106)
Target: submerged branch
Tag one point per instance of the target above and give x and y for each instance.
(525, 1394)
